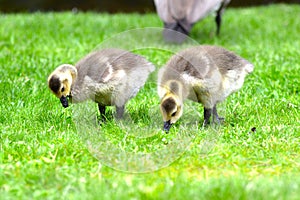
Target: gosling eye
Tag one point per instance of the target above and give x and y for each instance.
(173, 114)
(62, 89)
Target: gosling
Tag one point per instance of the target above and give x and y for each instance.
(109, 77)
(204, 74)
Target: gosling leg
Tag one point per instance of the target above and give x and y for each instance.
(102, 112)
(216, 117)
(207, 114)
(120, 112)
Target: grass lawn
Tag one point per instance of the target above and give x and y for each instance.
(44, 155)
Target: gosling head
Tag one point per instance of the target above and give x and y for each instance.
(60, 82)
(171, 109)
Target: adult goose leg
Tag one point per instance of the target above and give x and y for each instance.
(219, 18)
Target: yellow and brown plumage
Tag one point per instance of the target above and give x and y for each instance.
(204, 74)
(110, 77)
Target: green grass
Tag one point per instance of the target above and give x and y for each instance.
(44, 156)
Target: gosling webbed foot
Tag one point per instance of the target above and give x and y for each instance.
(218, 120)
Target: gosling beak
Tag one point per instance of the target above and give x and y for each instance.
(167, 126)
(64, 101)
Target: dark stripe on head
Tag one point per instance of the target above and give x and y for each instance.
(54, 84)
(169, 105)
